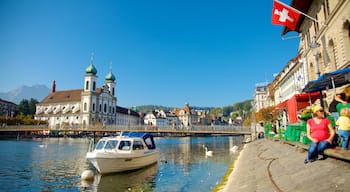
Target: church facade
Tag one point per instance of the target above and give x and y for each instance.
(90, 106)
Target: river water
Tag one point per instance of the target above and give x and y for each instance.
(55, 164)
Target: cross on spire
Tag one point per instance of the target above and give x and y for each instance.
(92, 57)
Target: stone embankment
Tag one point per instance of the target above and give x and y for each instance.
(265, 165)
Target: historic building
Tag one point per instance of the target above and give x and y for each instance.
(85, 107)
(324, 47)
(187, 116)
(7, 108)
(161, 118)
(260, 96)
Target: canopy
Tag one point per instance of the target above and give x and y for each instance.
(296, 103)
(329, 80)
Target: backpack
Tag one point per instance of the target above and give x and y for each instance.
(335, 141)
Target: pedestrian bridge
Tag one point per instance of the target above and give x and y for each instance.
(162, 130)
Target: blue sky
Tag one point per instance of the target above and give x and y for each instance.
(162, 52)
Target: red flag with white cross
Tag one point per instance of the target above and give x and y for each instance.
(284, 15)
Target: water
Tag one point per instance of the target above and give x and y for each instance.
(55, 164)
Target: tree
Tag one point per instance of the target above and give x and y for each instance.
(264, 114)
(27, 107)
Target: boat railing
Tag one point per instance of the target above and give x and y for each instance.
(91, 145)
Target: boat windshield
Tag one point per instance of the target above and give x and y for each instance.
(100, 145)
(112, 144)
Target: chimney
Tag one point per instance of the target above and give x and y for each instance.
(53, 89)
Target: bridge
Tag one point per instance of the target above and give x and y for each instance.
(161, 130)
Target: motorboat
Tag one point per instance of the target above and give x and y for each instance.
(128, 151)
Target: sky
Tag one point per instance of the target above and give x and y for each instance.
(162, 52)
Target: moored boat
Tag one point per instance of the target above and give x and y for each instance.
(129, 151)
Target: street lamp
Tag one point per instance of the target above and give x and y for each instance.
(314, 45)
(128, 118)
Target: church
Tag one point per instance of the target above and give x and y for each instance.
(90, 106)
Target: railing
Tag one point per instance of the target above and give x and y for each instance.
(219, 129)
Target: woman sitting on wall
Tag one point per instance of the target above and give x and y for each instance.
(320, 132)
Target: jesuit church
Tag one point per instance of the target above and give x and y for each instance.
(87, 106)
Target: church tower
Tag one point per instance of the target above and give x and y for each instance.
(89, 95)
(110, 82)
(90, 77)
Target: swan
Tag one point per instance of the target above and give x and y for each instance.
(208, 153)
(234, 149)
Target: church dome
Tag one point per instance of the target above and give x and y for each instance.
(110, 76)
(91, 69)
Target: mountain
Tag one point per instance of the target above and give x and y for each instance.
(37, 92)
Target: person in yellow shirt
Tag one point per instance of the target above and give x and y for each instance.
(343, 124)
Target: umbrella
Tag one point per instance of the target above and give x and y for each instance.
(329, 80)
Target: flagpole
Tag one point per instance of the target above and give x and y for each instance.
(302, 13)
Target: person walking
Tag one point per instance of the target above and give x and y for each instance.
(320, 131)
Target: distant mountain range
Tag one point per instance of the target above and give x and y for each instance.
(37, 92)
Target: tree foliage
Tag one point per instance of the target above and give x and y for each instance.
(265, 114)
(27, 107)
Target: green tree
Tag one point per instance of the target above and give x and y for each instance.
(27, 107)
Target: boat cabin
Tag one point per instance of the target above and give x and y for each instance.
(127, 141)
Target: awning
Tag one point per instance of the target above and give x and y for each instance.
(329, 80)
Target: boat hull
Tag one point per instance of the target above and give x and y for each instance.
(111, 163)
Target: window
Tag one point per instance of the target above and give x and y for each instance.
(326, 9)
(87, 85)
(124, 145)
(94, 86)
(137, 145)
(105, 108)
(100, 145)
(93, 107)
(100, 108)
(316, 27)
(85, 106)
(111, 144)
(113, 91)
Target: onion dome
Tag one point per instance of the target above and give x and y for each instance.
(91, 69)
(110, 76)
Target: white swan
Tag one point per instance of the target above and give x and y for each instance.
(208, 153)
(234, 149)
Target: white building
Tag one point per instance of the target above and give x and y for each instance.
(161, 118)
(260, 96)
(83, 107)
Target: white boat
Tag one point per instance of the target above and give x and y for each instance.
(129, 151)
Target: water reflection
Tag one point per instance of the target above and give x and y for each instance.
(56, 164)
(139, 180)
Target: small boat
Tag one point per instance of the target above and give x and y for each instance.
(128, 151)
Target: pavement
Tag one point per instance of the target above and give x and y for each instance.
(266, 165)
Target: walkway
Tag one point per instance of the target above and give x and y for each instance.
(266, 165)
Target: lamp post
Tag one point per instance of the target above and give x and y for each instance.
(314, 45)
(254, 120)
(128, 119)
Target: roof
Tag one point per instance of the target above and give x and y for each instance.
(110, 77)
(91, 69)
(126, 111)
(63, 96)
(303, 6)
(7, 102)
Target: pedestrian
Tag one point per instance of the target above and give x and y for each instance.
(338, 98)
(320, 132)
(343, 124)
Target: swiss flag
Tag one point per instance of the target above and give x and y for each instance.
(284, 15)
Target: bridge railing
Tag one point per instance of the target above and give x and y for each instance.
(115, 128)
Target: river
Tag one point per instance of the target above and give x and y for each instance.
(55, 164)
